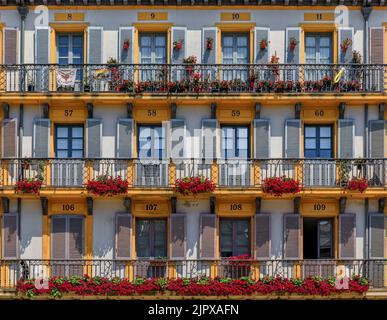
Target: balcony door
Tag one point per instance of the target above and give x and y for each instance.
(70, 50)
(234, 165)
(153, 50)
(318, 50)
(236, 53)
(67, 170)
(320, 170)
(318, 238)
(234, 237)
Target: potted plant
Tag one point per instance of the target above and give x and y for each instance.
(293, 42)
(277, 186)
(209, 43)
(177, 45)
(86, 86)
(274, 61)
(31, 185)
(357, 184)
(107, 185)
(194, 185)
(190, 62)
(263, 44)
(345, 44)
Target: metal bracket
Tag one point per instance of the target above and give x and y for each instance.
(258, 108)
(89, 204)
(173, 204)
(342, 107)
(296, 205)
(173, 110)
(5, 204)
(6, 110)
(297, 110)
(45, 109)
(258, 202)
(382, 108)
(213, 110)
(44, 204)
(382, 205)
(90, 109)
(342, 204)
(129, 110)
(128, 204)
(212, 204)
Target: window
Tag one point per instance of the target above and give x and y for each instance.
(318, 238)
(70, 50)
(69, 141)
(234, 237)
(153, 49)
(151, 142)
(318, 48)
(151, 238)
(318, 141)
(235, 50)
(235, 142)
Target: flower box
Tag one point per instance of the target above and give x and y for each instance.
(29, 186)
(357, 184)
(278, 186)
(193, 186)
(106, 185)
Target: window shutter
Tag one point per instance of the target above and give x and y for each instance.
(343, 34)
(178, 237)
(177, 138)
(209, 138)
(377, 45)
(377, 139)
(41, 144)
(346, 138)
(377, 233)
(10, 236)
(261, 55)
(261, 139)
(293, 56)
(10, 45)
(210, 56)
(292, 138)
(9, 138)
(291, 236)
(42, 56)
(179, 34)
(207, 236)
(126, 34)
(262, 228)
(76, 238)
(347, 235)
(93, 138)
(123, 236)
(95, 45)
(58, 237)
(125, 138)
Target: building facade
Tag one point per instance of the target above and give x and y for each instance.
(237, 92)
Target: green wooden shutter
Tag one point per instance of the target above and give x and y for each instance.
(123, 239)
(93, 138)
(346, 138)
(9, 136)
(343, 34)
(347, 235)
(262, 230)
(178, 236)
(126, 34)
(293, 56)
(207, 248)
(261, 55)
(95, 45)
(179, 34)
(377, 139)
(41, 143)
(177, 138)
(291, 236)
(292, 138)
(125, 142)
(210, 56)
(261, 139)
(10, 238)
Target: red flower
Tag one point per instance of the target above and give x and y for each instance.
(29, 186)
(277, 186)
(194, 185)
(105, 185)
(357, 184)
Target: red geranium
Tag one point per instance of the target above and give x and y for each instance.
(194, 185)
(357, 184)
(105, 185)
(29, 186)
(277, 186)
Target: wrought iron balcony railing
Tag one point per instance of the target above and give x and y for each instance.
(14, 270)
(194, 79)
(234, 173)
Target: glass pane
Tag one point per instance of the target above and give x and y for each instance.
(160, 53)
(325, 153)
(77, 153)
(77, 132)
(63, 40)
(242, 53)
(142, 238)
(62, 132)
(160, 41)
(325, 132)
(227, 53)
(145, 41)
(63, 61)
(310, 41)
(310, 153)
(77, 41)
(145, 52)
(77, 53)
(325, 239)
(325, 41)
(77, 144)
(242, 41)
(63, 52)
(310, 143)
(62, 144)
(242, 144)
(325, 143)
(310, 131)
(243, 132)
(227, 41)
(62, 153)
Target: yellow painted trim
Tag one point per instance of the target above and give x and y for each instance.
(236, 27)
(69, 16)
(69, 27)
(141, 26)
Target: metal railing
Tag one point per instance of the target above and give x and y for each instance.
(13, 270)
(194, 79)
(233, 173)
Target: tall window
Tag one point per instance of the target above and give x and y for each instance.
(318, 50)
(151, 238)
(318, 238)
(151, 141)
(69, 141)
(318, 141)
(70, 50)
(235, 142)
(235, 50)
(234, 237)
(153, 49)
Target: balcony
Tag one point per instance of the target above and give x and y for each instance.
(13, 270)
(183, 79)
(226, 174)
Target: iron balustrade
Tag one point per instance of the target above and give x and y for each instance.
(231, 173)
(13, 270)
(194, 78)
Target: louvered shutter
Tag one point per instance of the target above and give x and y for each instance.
(93, 138)
(58, 237)
(293, 56)
(347, 235)
(343, 34)
(95, 45)
(261, 139)
(125, 138)
(261, 55)
(207, 236)
(346, 138)
(178, 241)
(262, 231)
(177, 138)
(123, 236)
(377, 234)
(377, 45)
(209, 138)
(10, 45)
(42, 56)
(210, 56)
(10, 236)
(9, 138)
(41, 139)
(126, 34)
(179, 34)
(75, 238)
(292, 138)
(377, 139)
(292, 236)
